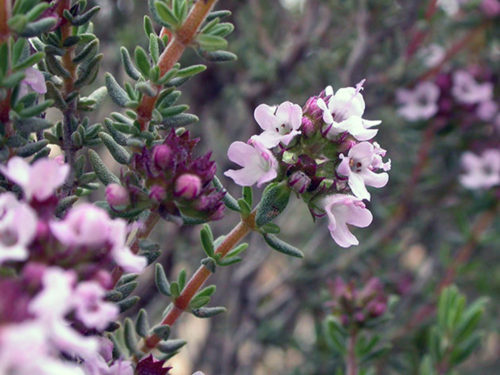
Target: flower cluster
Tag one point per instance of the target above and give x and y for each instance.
(322, 151)
(62, 273)
(356, 307)
(450, 95)
(174, 179)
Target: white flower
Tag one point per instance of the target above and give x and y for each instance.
(259, 164)
(482, 172)
(419, 103)
(343, 114)
(345, 209)
(358, 166)
(280, 124)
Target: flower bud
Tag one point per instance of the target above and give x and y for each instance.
(117, 195)
(188, 186)
(307, 126)
(162, 156)
(299, 182)
(157, 193)
(312, 109)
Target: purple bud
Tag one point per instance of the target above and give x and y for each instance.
(299, 182)
(307, 126)
(188, 186)
(443, 80)
(359, 316)
(378, 308)
(33, 273)
(117, 195)
(162, 156)
(490, 8)
(157, 193)
(104, 278)
(347, 144)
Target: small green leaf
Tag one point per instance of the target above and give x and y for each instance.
(101, 170)
(165, 14)
(142, 323)
(211, 42)
(142, 61)
(161, 280)
(118, 152)
(117, 94)
(273, 203)
(191, 71)
(283, 247)
(208, 312)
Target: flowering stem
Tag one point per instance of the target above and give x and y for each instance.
(180, 39)
(5, 10)
(181, 303)
(67, 62)
(351, 362)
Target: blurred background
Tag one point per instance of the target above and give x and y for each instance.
(428, 229)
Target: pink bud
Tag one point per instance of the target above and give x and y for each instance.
(157, 193)
(307, 126)
(104, 279)
(188, 186)
(346, 145)
(299, 182)
(162, 156)
(117, 195)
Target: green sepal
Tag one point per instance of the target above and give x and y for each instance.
(274, 201)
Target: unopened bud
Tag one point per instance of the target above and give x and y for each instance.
(299, 182)
(307, 126)
(162, 155)
(157, 193)
(188, 186)
(117, 195)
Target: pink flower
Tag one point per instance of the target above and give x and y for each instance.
(25, 349)
(487, 110)
(39, 180)
(481, 172)
(18, 223)
(91, 309)
(342, 210)
(280, 124)
(343, 113)
(84, 225)
(120, 252)
(34, 79)
(52, 304)
(420, 103)
(358, 166)
(259, 164)
(466, 90)
(88, 225)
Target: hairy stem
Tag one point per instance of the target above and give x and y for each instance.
(181, 39)
(351, 361)
(67, 62)
(198, 279)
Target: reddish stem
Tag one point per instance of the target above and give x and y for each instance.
(5, 11)
(181, 39)
(351, 362)
(181, 303)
